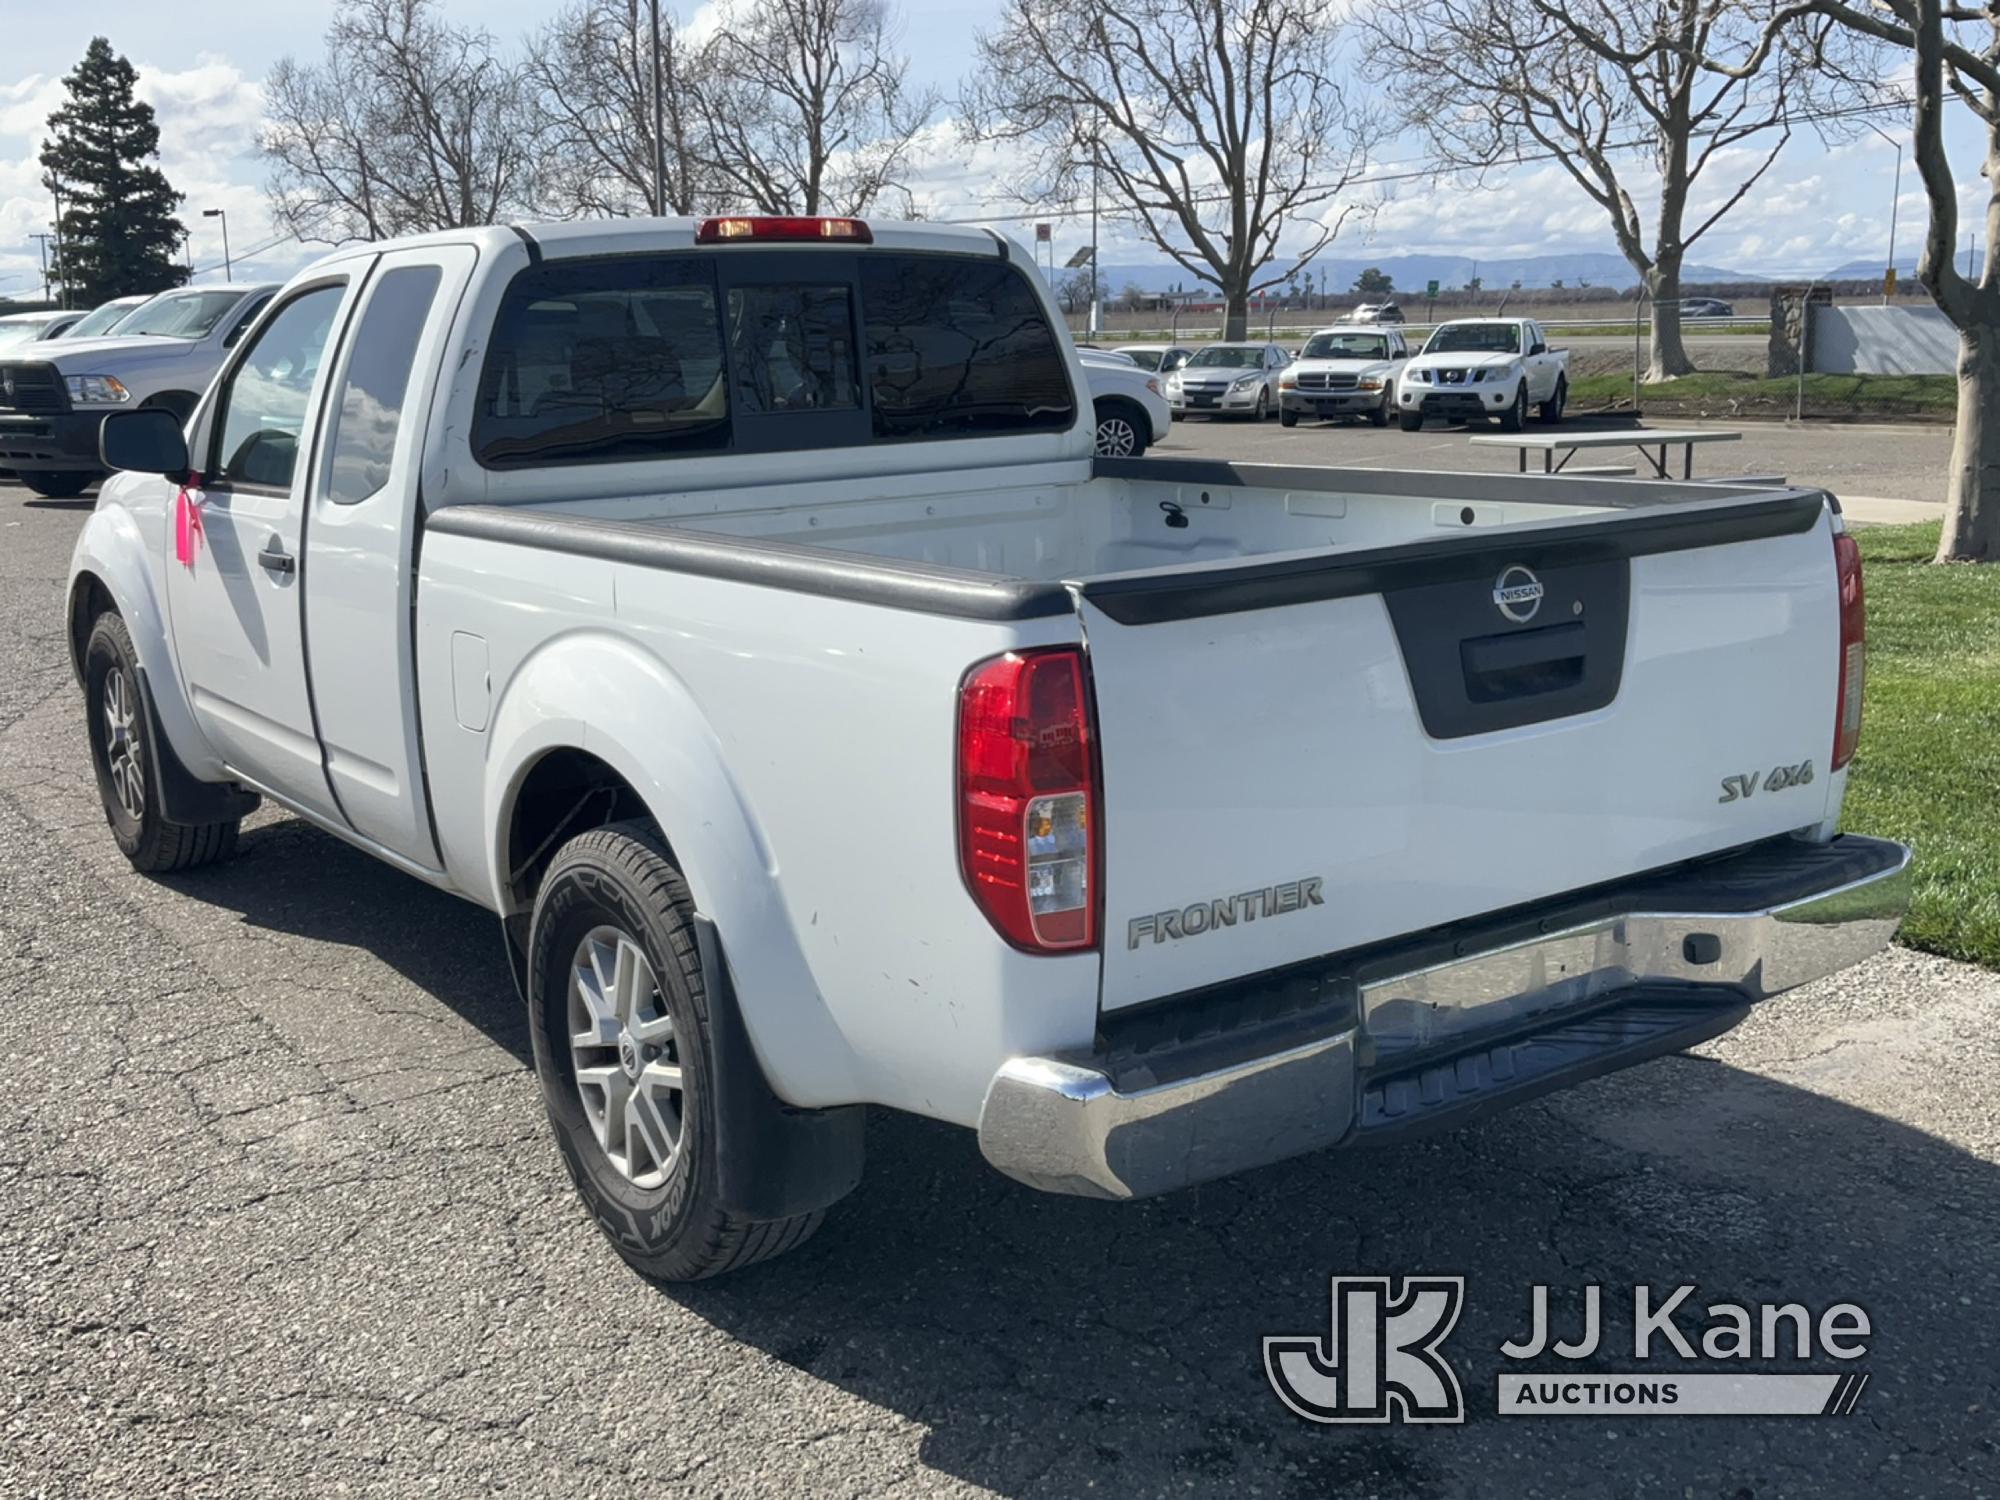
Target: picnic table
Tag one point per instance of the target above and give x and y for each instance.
(1644, 439)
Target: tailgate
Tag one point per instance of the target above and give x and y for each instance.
(1308, 753)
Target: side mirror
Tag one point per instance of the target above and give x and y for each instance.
(1538, 349)
(144, 442)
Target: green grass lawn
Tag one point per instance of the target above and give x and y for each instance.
(1928, 771)
(1723, 391)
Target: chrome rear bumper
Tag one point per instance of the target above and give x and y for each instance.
(1434, 1032)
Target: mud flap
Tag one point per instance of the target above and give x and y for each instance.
(774, 1160)
(184, 798)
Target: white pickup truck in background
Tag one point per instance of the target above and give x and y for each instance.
(1485, 367)
(736, 609)
(165, 352)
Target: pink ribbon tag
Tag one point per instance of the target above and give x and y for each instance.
(187, 520)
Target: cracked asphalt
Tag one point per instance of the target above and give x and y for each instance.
(278, 1215)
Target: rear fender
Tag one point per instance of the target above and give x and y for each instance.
(595, 692)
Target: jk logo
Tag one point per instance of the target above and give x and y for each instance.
(1380, 1362)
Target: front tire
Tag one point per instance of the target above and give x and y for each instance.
(1551, 410)
(1263, 408)
(121, 754)
(1411, 421)
(1380, 415)
(618, 1013)
(1287, 418)
(1515, 417)
(58, 484)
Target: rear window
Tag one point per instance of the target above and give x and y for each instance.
(639, 357)
(959, 348)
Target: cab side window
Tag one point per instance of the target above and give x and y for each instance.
(263, 407)
(368, 406)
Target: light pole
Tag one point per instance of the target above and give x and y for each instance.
(222, 214)
(1093, 237)
(1895, 202)
(659, 121)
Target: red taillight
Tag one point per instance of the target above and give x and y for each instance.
(1853, 649)
(1028, 798)
(769, 228)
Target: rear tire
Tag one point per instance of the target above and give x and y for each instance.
(618, 1052)
(1411, 421)
(1551, 410)
(1515, 417)
(119, 753)
(58, 484)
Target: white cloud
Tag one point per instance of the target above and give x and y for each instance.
(208, 116)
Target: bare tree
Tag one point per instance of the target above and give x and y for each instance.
(591, 75)
(1618, 94)
(1955, 52)
(408, 124)
(805, 105)
(1216, 126)
(1072, 292)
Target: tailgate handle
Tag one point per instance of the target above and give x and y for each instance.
(1523, 663)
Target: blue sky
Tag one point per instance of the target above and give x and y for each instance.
(201, 62)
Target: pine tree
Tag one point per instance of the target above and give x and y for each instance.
(115, 208)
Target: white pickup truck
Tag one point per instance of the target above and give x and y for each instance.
(736, 609)
(1485, 367)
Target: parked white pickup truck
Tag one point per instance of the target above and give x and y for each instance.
(53, 395)
(1485, 367)
(736, 609)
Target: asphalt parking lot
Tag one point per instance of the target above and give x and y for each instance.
(281, 1214)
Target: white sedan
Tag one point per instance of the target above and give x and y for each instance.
(1237, 379)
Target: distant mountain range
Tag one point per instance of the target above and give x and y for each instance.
(1411, 273)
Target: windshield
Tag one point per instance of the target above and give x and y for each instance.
(1347, 346)
(1145, 359)
(181, 315)
(1227, 357)
(1476, 338)
(100, 320)
(13, 335)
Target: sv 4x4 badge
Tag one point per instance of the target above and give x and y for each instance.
(1736, 788)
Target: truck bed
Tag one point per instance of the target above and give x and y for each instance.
(1134, 519)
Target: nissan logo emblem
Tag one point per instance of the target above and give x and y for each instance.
(1517, 594)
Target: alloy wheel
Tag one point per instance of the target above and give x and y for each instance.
(1116, 438)
(626, 1056)
(121, 744)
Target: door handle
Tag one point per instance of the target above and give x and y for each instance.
(275, 559)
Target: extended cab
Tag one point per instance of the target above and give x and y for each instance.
(1344, 372)
(1485, 367)
(53, 395)
(737, 611)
